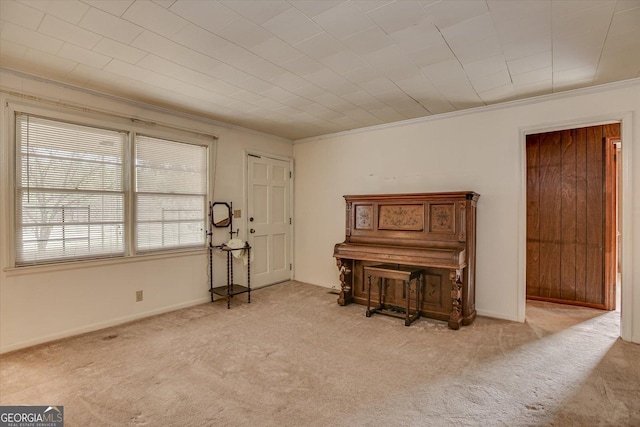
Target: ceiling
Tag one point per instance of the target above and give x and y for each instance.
(301, 68)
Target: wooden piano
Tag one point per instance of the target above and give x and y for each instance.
(433, 231)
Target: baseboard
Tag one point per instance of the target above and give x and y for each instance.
(100, 325)
(502, 316)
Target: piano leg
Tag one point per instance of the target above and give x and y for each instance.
(455, 320)
(345, 267)
(368, 312)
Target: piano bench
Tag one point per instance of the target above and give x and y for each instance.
(396, 272)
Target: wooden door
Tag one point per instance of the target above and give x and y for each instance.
(269, 220)
(571, 216)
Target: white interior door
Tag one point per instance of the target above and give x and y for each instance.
(269, 220)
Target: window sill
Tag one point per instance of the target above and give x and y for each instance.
(48, 268)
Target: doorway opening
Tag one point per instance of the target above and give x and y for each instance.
(573, 216)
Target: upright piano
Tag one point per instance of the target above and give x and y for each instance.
(433, 231)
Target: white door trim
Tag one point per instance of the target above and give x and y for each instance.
(245, 177)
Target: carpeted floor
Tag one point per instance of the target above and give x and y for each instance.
(293, 357)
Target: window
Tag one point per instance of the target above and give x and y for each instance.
(170, 192)
(69, 191)
(72, 192)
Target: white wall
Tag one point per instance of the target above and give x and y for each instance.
(44, 303)
(482, 151)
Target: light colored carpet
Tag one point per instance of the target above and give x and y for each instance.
(293, 357)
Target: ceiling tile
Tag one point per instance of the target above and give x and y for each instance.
(320, 46)
(505, 11)
(20, 14)
(292, 26)
(255, 84)
(83, 56)
(368, 41)
(114, 7)
(161, 66)
(490, 81)
(370, 5)
(264, 70)
(530, 63)
(595, 19)
(626, 21)
(289, 81)
(544, 87)
(447, 13)
(244, 33)
(569, 7)
(344, 62)
(302, 66)
(275, 50)
(258, 11)
(328, 99)
(11, 51)
(229, 74)
(69, 10)
(343, 20)
(379, 85)
(527, 47)
(538, 75)
(277, 94)
(397, 15)
(579, 74)
(209, 15)
(363, 75)
(153, 43)
(63, 30)
(577, 51)
(165, 3)
(433, 55)
(154, 18)
(483, 67)
(437, 105)
(118, 50)
(312, 8)
(110, 26)
(526, 27)
(445, 72)
(417, 37)
(476, 49)
(478, 28)
(499, 94)
(32, 39)
(50, 63)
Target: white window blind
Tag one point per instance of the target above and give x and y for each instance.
(170, 194)
(69, 191)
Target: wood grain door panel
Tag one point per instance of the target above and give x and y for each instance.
(569, 224)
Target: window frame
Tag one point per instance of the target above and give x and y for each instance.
(134, 195)
(104, 120)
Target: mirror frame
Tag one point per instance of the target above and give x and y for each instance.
(222, 223)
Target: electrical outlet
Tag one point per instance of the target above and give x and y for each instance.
(237, 213)
(138, 296)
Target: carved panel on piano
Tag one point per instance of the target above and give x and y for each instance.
(401, 217)
(433, 231)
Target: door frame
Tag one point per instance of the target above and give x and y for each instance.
(245, 177)
(626, 199)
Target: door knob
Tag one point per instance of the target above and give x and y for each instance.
(252, 231)
(251, 219)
